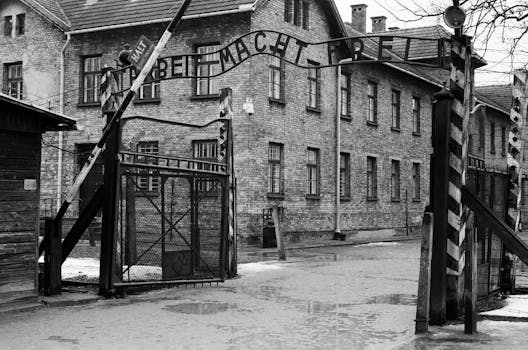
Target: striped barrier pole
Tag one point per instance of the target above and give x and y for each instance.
(461, 86)
(225, 154)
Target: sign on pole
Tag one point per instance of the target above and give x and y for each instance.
(141, 52)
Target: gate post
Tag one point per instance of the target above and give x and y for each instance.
(461, 85)
(439, 199)
(109, 268)
(226, 155)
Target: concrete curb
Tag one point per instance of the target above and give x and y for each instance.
(63, 300)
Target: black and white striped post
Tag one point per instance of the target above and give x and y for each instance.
(225, 154)
(461, 86)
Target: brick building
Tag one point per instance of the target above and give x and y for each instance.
(285, 151)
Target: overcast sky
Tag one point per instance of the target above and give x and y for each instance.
(499, 61)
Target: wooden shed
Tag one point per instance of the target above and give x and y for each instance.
(21, 128)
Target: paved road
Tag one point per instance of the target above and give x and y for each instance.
(329, 298)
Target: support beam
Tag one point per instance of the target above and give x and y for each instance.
(424, 280)
(471, 278)
(52, 257)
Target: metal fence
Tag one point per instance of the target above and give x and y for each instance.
(170, 226)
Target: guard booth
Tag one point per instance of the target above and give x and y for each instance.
(21, 129)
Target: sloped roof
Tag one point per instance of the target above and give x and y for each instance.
(501, 95)
(85, 14)
(50, 120)
(51, 10)
(418, 49)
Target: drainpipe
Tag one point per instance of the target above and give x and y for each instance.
(61, 110)
(337, 232)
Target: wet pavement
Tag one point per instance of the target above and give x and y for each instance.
(353, 297)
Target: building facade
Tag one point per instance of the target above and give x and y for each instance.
(286, 151)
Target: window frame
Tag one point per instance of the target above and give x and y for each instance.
(273, 68)
(279, 163)
(211, 64)
(153, 85)
(395, 184)
(344, 176)
(314, 83)
(8, 25)
(372, 103)
(313, 169)
(18, 80)
(96, 74)
(492, 138)
(20, 24)
(417, 115)
(152, 182)
(372, 178)
(503, 141)
(417, 181)
(206, 187)
(346, 91)
(396, 109)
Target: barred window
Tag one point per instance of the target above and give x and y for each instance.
(207, 65)
(148, 182)
(396, 106)
(206, 150)
(8, 25)
(20, 24)
(492, 138)
(275, 174)
(504, 142)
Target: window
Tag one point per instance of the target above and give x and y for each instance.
(312, 165)
(416, 181)
(91, 79)
(276, 79)
(395, 180)
(14, 83)
(344, 176)
(8, 25)
(492, 138)
(372, 93)
(314, 86)
(206, 150)
(503, 141)
(345, 95)
(275, 175)
(482, 132)
(207, 65)
(416, 115)
(395, 110)
(20, 24)
(372, 179)
(297, 12)
(147, 182)
(524, 192)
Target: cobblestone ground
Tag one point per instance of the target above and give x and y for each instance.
(330, 298)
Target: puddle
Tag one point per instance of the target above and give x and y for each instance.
(200, 308)
(393, 299)
(63, 340)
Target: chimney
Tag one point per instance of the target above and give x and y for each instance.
(359, 17)
(378, 24)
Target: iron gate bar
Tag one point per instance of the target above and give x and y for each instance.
(148, 156)
(177, 167)
(170, 223)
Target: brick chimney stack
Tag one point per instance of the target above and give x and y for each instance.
(359, 17)
(379, 24)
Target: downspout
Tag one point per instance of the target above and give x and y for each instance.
(61, 110)
(337, 232)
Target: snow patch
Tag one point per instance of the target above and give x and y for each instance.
(256, 267)
(378, 244)
(516, 306)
